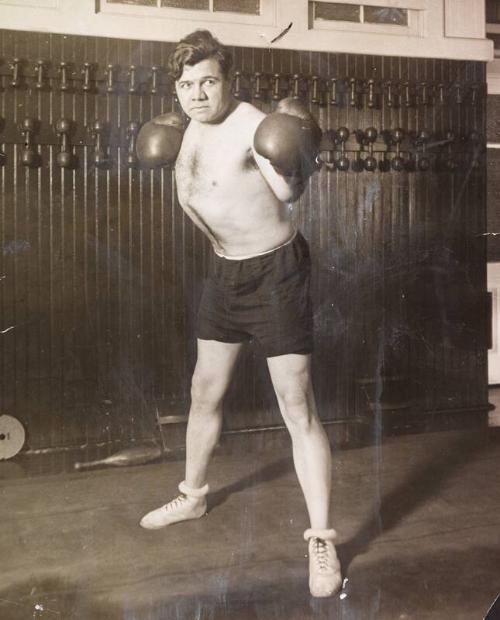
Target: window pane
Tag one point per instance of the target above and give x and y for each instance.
(385, 15)
(492, 11)
(194, 5)
(336, 11)
(138, 2)
(252, 7)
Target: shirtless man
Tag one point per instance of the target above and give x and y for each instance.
(258, 288)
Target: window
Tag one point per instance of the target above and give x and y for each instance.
(248, 7)
(384, 15)
(192, 5)
(493, 24)
(492, 11)
(336, 11)
(358, 13)
(402, 17)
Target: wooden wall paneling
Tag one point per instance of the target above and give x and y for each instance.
(38, 104)
(329, 310)
(80, 380)
(10, 337)
(435, 252)
(471, 298)
(440, 259)
(359, 211)
(98, 178)
(11, 285)
(349, 291)
(51, 102)
(113, 257)
(426, 283)
(381, 262)
(375, 200)
(337, 251)
(422, 288)
(417, 207)
(452, 253)
(475, 213)
(401, 391)
(3, 226)
(478, 243)
(325, 310)
(315, 211)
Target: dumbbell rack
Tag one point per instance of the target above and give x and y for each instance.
(400, 150)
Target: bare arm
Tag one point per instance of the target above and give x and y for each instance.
(286, 189)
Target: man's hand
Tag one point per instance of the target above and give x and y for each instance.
(290, 139)
(159, 140)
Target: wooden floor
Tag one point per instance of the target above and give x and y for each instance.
(418, 520)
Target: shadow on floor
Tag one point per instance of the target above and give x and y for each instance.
(270, 472)
(421, 486)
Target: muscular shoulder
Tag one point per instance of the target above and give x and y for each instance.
(249, 115)
(246, 120)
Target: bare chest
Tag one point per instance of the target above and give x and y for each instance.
(209, 164)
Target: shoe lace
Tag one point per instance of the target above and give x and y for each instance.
(321, 555)
(176, 503)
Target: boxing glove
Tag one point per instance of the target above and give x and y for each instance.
(159, 140)
(290, 139)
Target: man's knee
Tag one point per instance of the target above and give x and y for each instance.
(207, 390)
(297, 406)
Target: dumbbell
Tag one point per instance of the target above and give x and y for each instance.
(64, 157)
(450, 163)
(342, 163)
(423, 161)
(397, 137)
(29, 156)
(370, 163)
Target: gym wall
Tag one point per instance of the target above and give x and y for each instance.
(101, 272)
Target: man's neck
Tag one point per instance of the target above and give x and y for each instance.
(233, 104)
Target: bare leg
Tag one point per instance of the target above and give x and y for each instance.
(291, 379)
(214, 367)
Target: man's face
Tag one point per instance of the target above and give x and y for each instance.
(203, 91)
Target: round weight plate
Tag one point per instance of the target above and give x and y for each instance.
(12, 436)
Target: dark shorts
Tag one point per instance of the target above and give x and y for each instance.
(265, 298)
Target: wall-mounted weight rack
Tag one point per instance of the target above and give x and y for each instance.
(372, 149)
(399, 150)
(320, 90)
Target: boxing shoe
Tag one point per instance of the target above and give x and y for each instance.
(325, 578)
(190, 504)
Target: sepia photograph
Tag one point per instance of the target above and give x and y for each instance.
(249, 310)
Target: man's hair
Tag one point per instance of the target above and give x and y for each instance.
(198, 46)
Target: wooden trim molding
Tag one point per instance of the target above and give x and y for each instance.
(83, 17)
